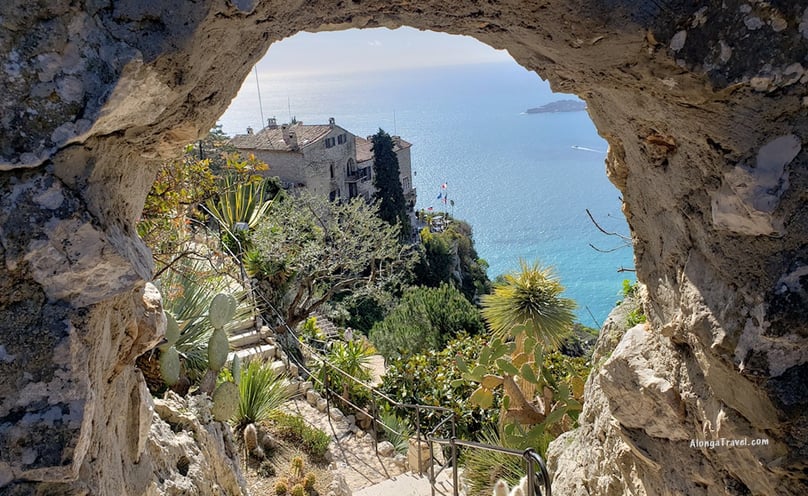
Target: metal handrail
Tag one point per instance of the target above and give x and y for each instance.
(531, 456)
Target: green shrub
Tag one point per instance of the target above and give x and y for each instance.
(433, 378)
(294, 429)
(352, 358)
(635, 317)
(396, 429)
(426, 319)
(261, 393)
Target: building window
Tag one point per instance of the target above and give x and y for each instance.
(332, 171)
(329, 142)
(341, 139)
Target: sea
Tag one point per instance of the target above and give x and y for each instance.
(523, 181)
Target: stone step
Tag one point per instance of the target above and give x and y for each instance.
(402, 485)
(267, 351)
(245, 339)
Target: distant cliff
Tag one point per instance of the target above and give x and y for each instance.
(559, 106)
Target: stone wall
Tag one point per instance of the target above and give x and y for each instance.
(703, 104)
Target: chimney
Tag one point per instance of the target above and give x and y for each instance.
(272, 123)
(249, 130)
(289, 137)
(331, 121)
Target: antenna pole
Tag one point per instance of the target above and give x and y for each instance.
(260, 105)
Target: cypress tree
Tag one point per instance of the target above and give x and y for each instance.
(389, 193)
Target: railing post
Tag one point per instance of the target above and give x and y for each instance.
(327, 391)
(372, 412)
(531, 472)
(418, 436)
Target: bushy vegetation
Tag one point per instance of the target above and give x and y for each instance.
(294, 429)
(433, 378)
(318, 250)
(351, 358)
(426, 319)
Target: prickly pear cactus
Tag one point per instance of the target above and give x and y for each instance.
(235, 369)
(170, 365)
(225, 401)
(172, 331)
(218, 346)
(221, 310)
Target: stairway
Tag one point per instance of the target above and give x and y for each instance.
(409, 484)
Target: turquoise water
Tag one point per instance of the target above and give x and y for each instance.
(515, 177)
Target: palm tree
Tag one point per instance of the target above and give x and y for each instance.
(528, 304)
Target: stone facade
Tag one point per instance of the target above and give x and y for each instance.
(325, 160)
(703, 104)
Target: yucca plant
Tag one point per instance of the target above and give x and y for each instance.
(261, 392)
(352, 358)
(239, 202)
(396, 429)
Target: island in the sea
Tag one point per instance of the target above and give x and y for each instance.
(559, 106)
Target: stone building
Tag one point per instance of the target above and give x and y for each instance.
(324, 159)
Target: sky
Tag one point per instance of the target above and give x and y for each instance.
(363, 50)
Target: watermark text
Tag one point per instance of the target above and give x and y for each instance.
(723, 442)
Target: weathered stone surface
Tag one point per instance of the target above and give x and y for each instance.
(704, 110)
(191, 453)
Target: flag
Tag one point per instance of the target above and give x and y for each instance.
(443, 186)
(430, 209)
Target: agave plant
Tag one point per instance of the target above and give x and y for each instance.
(261, 390)
(239, 202)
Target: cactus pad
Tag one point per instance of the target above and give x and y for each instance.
(170, 365)
(218, 346)
(225, 401)
(222, 308)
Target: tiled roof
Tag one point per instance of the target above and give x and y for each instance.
(272, 138)
(399, 143)
(364, 147)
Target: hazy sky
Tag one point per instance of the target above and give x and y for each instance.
(361, 50)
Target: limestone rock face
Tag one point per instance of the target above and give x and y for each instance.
(193, 455)
(703, 104)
